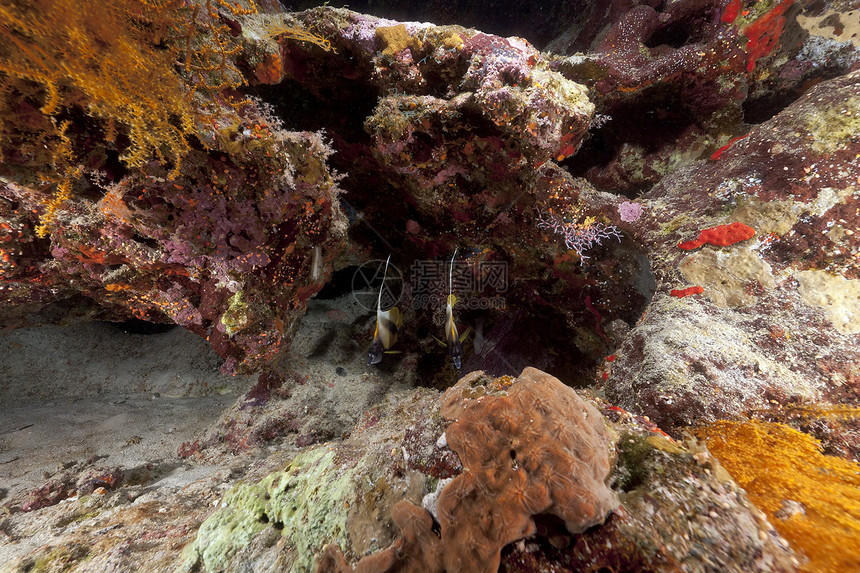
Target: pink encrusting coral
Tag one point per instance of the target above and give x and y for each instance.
(529, 446)
(630, 211)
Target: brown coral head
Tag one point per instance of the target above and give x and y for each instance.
(529, 448)
(533, 447)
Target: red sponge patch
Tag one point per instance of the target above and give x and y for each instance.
(763, 34)
(722, 235)
(681, 293)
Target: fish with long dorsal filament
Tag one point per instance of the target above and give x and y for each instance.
(453, 340)
(387, 325)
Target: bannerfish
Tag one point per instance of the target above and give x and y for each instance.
(387, 325)
(452, 337)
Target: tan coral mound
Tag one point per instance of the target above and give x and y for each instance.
(528, 447)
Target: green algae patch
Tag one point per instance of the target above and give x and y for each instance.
(834, 128)
(61, 558)
(237, 316)
(306, 501)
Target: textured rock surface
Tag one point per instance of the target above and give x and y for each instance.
(678, 510)
(182, 442)
(231, 249)
(662, 485)
(775, 323)
(676, 82)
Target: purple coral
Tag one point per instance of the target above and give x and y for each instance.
(629, 211)
(578, 236)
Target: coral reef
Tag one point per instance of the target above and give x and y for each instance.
(682, 79)
(772, 325)
(219, 242)
(529, 447)
(498, 428)
(288, 503)
(679, 509)
(668, 219)
(446, 120)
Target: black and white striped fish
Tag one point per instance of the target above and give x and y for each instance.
(387, 325)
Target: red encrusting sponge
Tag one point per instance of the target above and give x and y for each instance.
(681, 293)
(722, 236)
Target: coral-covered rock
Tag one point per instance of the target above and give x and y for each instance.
(322, 493)
(775, 322)
(155, 190)
(442, 126)
(534, 443)
(230, 249)
(451, 140)
(679, 509)
(673, 499)
(680, 79)
(529, 446)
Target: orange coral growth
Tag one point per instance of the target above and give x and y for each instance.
(91, 255)
(681, 293)
(813, 500)
(113, 64)
(63, 164)
(63, 193)
(763, 34)
(134, 68)
(270, 70)
(112, 205)
(722, 236)
(531, 447)
(284, 31)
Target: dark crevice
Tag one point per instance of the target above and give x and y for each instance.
(647, 125)
(538, 22)
(136, 326)
(674, 35)
(341, 283)
(763, 108)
